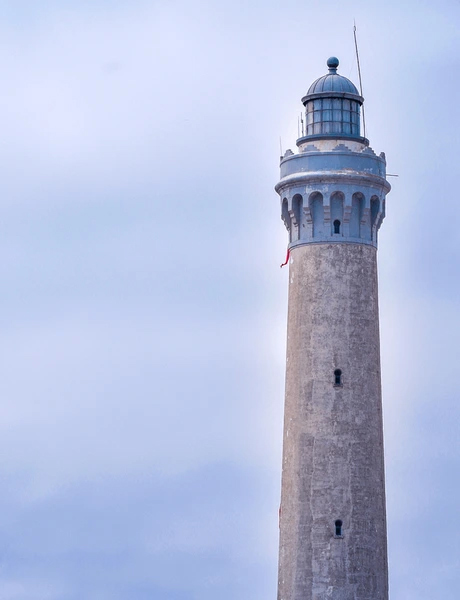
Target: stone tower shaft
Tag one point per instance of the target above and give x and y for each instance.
(332, 517)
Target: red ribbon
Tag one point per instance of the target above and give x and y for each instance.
(287, 258)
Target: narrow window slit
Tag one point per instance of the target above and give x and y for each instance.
(338, 377)
(336, 226)
(338, 528)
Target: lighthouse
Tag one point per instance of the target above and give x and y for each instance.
(333, 542)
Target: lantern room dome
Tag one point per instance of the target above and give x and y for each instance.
(332, 82)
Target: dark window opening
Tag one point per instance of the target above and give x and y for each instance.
(338, 528)
(336, 226)
(337, 377)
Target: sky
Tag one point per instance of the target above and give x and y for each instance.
(143, 308)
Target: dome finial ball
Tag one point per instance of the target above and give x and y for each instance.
(333, 62)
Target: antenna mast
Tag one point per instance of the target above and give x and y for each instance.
(359, 75)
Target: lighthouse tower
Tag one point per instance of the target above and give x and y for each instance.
(332, 517)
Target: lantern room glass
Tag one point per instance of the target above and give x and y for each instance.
(333, 116)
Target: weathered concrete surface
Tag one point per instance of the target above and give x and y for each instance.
(333, 436)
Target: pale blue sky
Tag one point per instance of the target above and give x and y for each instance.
(144, 311)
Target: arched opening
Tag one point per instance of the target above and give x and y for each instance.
(338, 528)
(297, 203)
(357, 207)
(375, 208)
(285, 214)
(317, 213)
(337, 202)
(375, 213)
(338, 377)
